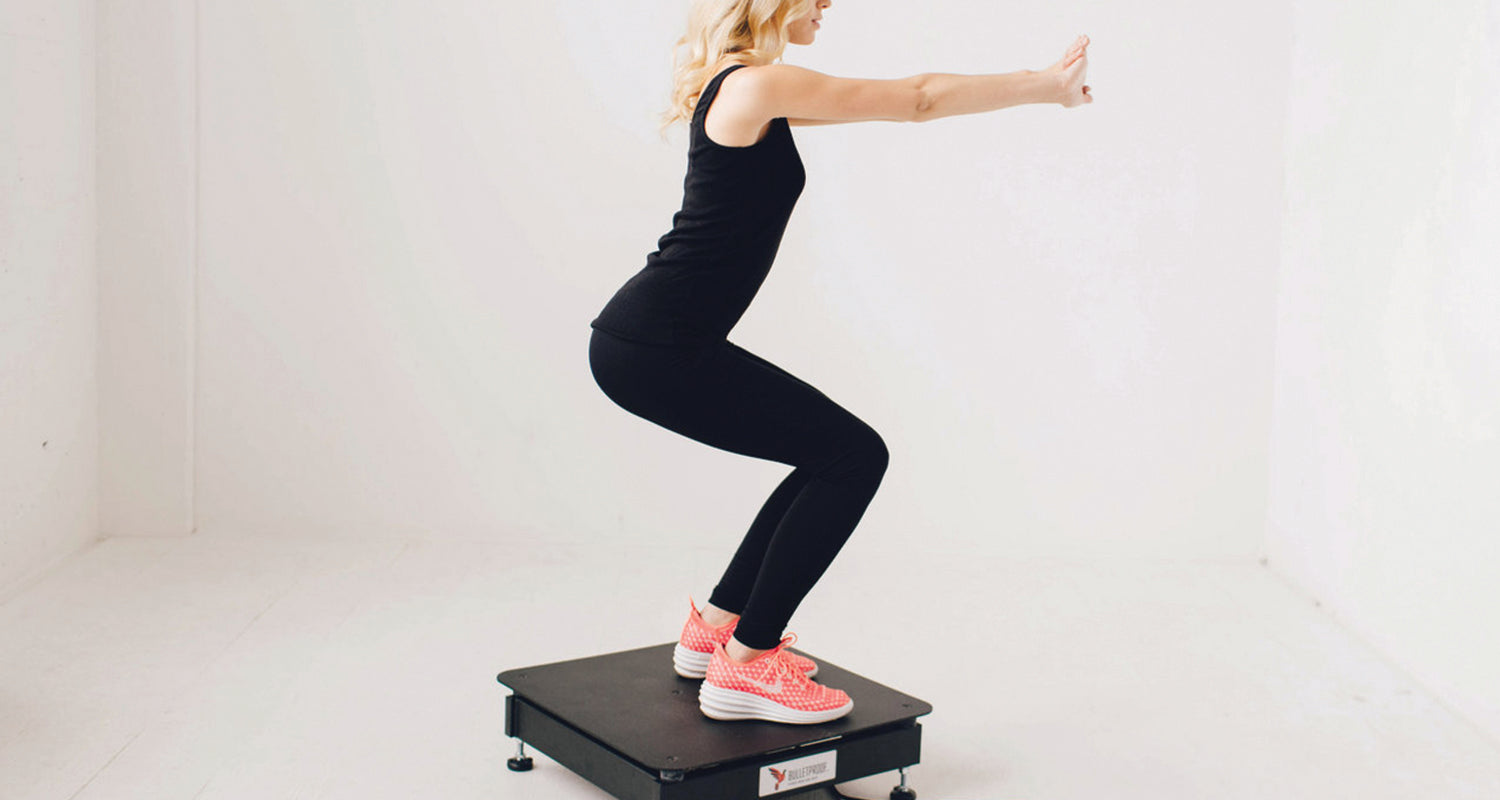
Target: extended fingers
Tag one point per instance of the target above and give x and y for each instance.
(1074, 55)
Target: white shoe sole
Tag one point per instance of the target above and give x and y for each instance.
(730, 704)
(693, 664)
(690, 663)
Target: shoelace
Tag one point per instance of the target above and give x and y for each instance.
(782, 667)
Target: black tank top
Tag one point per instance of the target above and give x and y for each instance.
(705, 271)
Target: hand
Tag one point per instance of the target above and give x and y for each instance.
(1069, 74)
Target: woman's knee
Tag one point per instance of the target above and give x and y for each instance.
(860, 454)
(878, 454)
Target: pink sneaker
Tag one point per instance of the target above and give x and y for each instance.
(767, 688)
(696, 646)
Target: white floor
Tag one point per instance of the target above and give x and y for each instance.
(219, 666)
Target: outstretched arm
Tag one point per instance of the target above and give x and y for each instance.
(805, 121)
(807, 97)
(947, 95)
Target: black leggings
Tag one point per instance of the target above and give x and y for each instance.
(725, 396)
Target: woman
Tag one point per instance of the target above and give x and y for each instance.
(659, 347)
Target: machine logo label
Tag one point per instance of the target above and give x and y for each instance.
(798, 772)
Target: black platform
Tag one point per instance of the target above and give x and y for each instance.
(630, 725)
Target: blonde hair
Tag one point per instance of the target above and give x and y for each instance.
(755, 31)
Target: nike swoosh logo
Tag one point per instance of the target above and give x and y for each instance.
(772, 688)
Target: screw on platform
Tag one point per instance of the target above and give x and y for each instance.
(903, 792)
(522, 762)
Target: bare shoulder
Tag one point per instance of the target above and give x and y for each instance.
(760, 79)
(807, 95)
(773, 78)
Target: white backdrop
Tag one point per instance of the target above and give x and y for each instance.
(1060, 320)
(49, 425)
(343, 257)
(1385, 451)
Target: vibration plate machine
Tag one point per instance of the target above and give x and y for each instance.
(630, 725)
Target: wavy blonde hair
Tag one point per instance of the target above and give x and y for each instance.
(754, 30)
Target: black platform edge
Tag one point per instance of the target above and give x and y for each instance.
(861, 754)
(511, 678)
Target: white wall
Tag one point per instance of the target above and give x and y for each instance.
(1385, 457)
(147, 150)
(1059, 319)
(49, 429)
